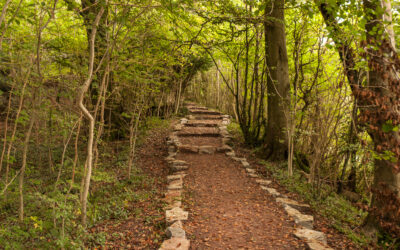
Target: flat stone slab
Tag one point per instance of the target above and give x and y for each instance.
(230, 154)
(251, 171)
(207, 150)
(174, 177)
(178, 165)
(195, 123)
(188, 149)
(175, 185)
(238, 159)
(176, 230)
(315, 245)
(175, 214)
(171, 149)
(172, 154)
(253, 175)
(224, 149)
(178, 127)
(175, 244)
(304, 220)
(204, 112)
(224, 132)
(310, 235)
(170, 159)
(292, 203)
(208, 117)
(263, 182)
(272, 191)
(245, 163)
(226, 141)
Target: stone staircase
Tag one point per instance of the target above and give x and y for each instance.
(211, 126)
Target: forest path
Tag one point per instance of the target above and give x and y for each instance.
(227, 203)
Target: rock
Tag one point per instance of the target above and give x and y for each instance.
(178, 165)
(171, 149)
(291, 203)
(238, 159)
(245, 163)
(315, 245)
(188, 149)
(177, 127)
(230, 154)
(175, 214)
(172, 154)
(224, 149)
(207, 150)
(251, 171)
(175, 244)
(178, 168)
(263, 182)
(304, 220)
(174, 177)
(225, 122)
(176, 230)
(253, 175)
(224, 132)
(226, 116)
(272, 191)
(227, 141)
(184, 121)
(169, 159)
(310, 235)
(222, 128)
(175, 185)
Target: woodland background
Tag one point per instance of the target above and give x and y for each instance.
(312, 85)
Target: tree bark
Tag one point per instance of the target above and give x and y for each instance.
(22, 173)
(278, 84)
(378, 103)
(84, 89)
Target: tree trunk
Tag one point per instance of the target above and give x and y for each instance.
(22, 173)
(383, 83)
(278, 80)
(85, 87)
(378, 102)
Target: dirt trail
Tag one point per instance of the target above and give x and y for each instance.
(219, 201)
(228, 210)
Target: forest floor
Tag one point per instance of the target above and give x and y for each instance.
(227, 209)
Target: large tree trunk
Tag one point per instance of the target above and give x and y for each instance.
(379, 102)
(382, 107)
(278, 80)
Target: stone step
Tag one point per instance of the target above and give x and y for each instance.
(205, 149)
(196, 107)
(205, 112)
(175, 243)
(205, 134)
(208, 117)
(201, 124)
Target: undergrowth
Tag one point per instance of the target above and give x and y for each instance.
(342, 214)
(52, 212)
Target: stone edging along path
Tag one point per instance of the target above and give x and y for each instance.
(211, 123)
